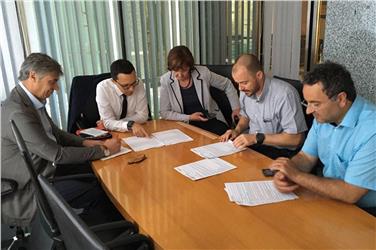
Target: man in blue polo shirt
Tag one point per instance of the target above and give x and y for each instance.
(343, 137)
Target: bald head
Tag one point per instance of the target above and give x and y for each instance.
(249, 62)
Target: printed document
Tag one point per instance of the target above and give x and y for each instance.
(123, 150)
(94, 132)
(255, 193)
(216, 150)
(204, 168)
(157, 139)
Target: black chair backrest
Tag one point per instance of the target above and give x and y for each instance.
(299, 87)
(46, 213)
(75, 232)
(83, 109)
(220, 96)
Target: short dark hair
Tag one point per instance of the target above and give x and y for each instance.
(180, 57)
(249, 61)
(41, 63)
(121, 66)
(334, 78)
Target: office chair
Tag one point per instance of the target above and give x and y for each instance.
(220, 96)
(48, 218)
(299, 87)
(20, 239)
(77, 235)
(83, 110)
(48, 221)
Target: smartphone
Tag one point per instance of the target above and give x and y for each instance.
(209, 115)
(267, 172)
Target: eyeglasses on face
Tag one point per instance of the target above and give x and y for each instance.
(128, 86)
(317, 105)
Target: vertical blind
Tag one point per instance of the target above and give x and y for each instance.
(85, 37)
(11, 49)
(282, 38)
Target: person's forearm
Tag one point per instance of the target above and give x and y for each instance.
(333, 188)
(284, 140)
(304, 162)
(242, 125)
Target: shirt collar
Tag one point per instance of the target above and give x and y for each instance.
(36, 102)
(352, 115)
(264, 92)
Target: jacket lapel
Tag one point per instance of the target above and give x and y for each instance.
(196, 76)
(174, 85)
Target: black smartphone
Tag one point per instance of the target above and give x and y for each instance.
(208, 115)
(267, 172)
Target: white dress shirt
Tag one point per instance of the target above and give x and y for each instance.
(110, 104)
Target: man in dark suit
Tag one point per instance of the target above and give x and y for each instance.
(49, 146)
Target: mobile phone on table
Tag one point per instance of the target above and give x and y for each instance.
(267, 172)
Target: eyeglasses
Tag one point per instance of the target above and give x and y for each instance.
(129, 85)
(317, 105)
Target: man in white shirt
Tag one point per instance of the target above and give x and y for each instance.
(121, 100)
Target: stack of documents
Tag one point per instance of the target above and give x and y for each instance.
(216, 150)
(204, 168)
(255, 193)
(158, 139)
(93, 132)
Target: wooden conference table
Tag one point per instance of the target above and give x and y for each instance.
(180, 213)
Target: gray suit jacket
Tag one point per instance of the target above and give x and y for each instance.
(171, 102)
(20, 207)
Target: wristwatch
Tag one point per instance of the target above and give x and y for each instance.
(106, 152)
(260, 137)
(130, 125)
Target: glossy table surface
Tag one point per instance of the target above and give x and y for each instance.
(180, 213)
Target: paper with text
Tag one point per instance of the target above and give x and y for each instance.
(204, 168)
(157, 139)
(255, 193)
(216, 150)
(93, 132)
(172, 136)
(142, 143)
(123, 150)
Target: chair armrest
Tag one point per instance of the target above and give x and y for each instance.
(74, 177)
(141, 240)
(115, 225)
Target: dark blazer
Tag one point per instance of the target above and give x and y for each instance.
(20, 207)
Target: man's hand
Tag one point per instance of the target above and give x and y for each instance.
(287, 172)
(100, 125)
(139, 131)
(113, 145)
(244, 140)
(228, 135)
(197, 116)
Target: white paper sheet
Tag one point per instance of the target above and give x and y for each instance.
(142, 143)
(172, 136)
(255, 193)
(123, 150)
(93, 132)
(157, 139)
(216, 150)
(204, 168)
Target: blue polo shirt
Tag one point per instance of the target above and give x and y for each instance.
(348, 151)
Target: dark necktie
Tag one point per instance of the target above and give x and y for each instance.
(125, 106)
